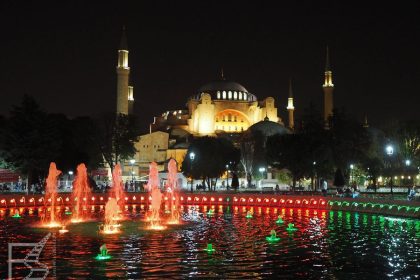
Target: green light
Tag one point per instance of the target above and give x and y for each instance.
(291, 227)
(279, 220)
(273, 237)
(68, 213)
(16, 216)
(210, 248)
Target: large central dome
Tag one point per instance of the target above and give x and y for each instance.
(225, 90)
(222, 85)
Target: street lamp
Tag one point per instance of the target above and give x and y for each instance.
(132, 161)
(390, 151)
(192, 157)
(262, 169)
(351, 173)
(69, 177)
(407, 162)
(314, 177)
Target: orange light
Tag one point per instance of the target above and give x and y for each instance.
(212, 199)
(101, 198)
(298, 201)
(141, 198)
(314, 202)
(258, 199)
(134, 197)
(3, 201)
(12, 200)
(196, 199)
(275, 200)
(282, 200)
(31, 200)
(251, 200)
(67, 199)
(243, 199)
(204, 198)
(58, 199)
(126, 198)
(266, 200)
(220, 199)
(166, 198)
(84, 199)
(189, 198)
(235, 199)
(21, 200)
(93, 198)
(40, 199)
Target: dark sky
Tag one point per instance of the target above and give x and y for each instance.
(64, 53)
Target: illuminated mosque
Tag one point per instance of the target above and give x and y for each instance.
(217, 108)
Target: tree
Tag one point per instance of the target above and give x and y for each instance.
(116, 135)
(338, 178)
(211, 157)
(30, 141)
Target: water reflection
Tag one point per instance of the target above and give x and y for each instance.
(327, 244)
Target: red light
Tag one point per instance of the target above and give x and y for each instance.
(134, 198)
(290, 201)
(306, 202)
(142, 198)
(243, 199)
(282, 200)
(266, 200)
(323, 202)
(298, 201)
(196, 199)
(235, 199)
(251, 200)
(126, 198)
(189, 198)
(212, 199)
(275, 200)
(204, 199)
(3, 201)
(182, 198)
(258, 199)
(220, 199)
(93, 198)
(166, 198)
(21, 200)
(32, 200)
(67, 199)
(101, 198)
(40, 199)
(84, 199)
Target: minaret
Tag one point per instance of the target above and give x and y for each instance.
(328, 92)
(290, 107)
(123, 73)
(365, 123)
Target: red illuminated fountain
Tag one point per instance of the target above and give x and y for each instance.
(81, 193)
(111, 216)
(173, 192)
(51, 194)
(114, 204)
(153, 188)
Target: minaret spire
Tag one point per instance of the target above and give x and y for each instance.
(222, 76)
(290, 106)
(328, 88)
(125, 96)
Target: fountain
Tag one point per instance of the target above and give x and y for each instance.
(117, 192)
(279, 220)
(111, 216)
(291, 227)
(210, 248)
(81, 193)
(172, 190)
(153, 188)
(249, 215)
(51, 193)
(273, 237)
(16, 215)
(103, 255)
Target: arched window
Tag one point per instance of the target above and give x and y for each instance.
(218, 94)
(240, 95)
(235, 95)
(224, 94)
(245, 96)
(230, 94)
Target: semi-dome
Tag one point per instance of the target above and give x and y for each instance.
(268, 128)
(225, 90)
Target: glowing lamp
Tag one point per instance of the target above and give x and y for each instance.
(235, 199)
(212, 199)
(220, 199)
(258, 199)
(275, 200)
(58, 199)
(298, 201)
(150, 198)
(290, 201)
(196, 199)
(126, 198)
(101, 198)
(306, 202)
(40, 199)
(141, 198)
(266, 200)
(189, 198)
(204, 199)
(93, 198)
(3, 201)
(134, 198)
(243, 199)
(109, 198)
(251, 200)
(314, 202)
(166, 198)
(282, 200)
(21, 200)
(84, 199)
(182, 198)
(12, 200)
(322, 202)
(31, 200)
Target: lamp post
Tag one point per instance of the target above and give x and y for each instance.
(192, 157)
(351, 173)
(390, 151)
(132, 161)
(227, 177)
(314, 176)
(262, 169)
(69, 177)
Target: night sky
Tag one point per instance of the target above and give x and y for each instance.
(64, 54)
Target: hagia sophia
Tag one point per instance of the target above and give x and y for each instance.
(220, 107)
